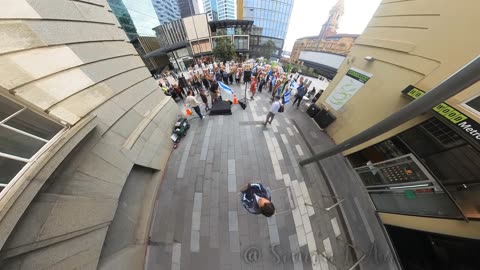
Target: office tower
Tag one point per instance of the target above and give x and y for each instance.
(220, 9)
(188, 8)
(167, 10)
(270, 20)
(137, 17)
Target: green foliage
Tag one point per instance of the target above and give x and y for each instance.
(268, 49)
(287, 67)
(290, 67)
(224, 49)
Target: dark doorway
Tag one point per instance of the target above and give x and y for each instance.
(420, 250)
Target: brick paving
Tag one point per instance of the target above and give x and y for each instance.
(199, 222)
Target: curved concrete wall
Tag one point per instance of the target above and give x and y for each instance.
(71, 61)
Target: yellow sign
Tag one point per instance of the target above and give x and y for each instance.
(443, 109)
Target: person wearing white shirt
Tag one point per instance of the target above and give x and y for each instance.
(192, 102)
(275, 108)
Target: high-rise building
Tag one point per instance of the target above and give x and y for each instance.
(167, 10)
(137, 17)
(220, 9)
(270, 20)
(188, 8)
(331, 25)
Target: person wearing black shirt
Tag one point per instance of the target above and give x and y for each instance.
(214, 91)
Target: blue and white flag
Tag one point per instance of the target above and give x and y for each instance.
(286, 97)
(227, 90)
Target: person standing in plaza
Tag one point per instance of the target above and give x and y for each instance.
(225, 77)
(214, 91)
(238, 76)
(276, 89)
(262, 82)
(253, 87)
(196, 83)
(203, 96)
(273, 110)
(301, 91)
(205, 82)
(193, 103)
(179, 91)
(317, 96)
(272, 84)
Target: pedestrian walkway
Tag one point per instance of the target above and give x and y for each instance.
(199, 222)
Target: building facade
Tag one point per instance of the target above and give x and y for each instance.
(422, 176)
(145, 45)
(328, 40)
(167, 10)
(137, 30)
(220, 9)
(188, 8)
(81, 121)
(330, 27)
(195, 36)
(271, 19)
(336, 44)
(141, 17)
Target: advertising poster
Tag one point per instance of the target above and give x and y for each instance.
(347, 88)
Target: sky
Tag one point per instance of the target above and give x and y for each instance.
(200, 5)
(308, 16)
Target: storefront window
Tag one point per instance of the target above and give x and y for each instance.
(416, 171)
(452, 161)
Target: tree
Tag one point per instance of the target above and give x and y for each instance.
(268, 49)
(224, 49)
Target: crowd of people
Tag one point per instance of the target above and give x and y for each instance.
(204, 78)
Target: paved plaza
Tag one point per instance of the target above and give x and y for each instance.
(199, 222)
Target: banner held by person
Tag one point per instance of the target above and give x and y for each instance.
(286, 96)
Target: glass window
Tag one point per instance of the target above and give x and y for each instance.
(8, 168)
(35, 124)
(474, 104)
(23, 133)
(445, 155)
(16, 144)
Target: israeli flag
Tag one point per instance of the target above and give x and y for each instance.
(286, 96)
(227, 90)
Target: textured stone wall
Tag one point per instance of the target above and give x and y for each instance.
(71, 61)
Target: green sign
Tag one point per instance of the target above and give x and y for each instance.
(410, 194)
(467, 125)
(450, 113)
(358, 76)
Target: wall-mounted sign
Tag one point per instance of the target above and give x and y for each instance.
(461, 121)
(347, 88)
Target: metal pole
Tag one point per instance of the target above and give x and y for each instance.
(463, 78)
(357, 263)
(331, 207)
